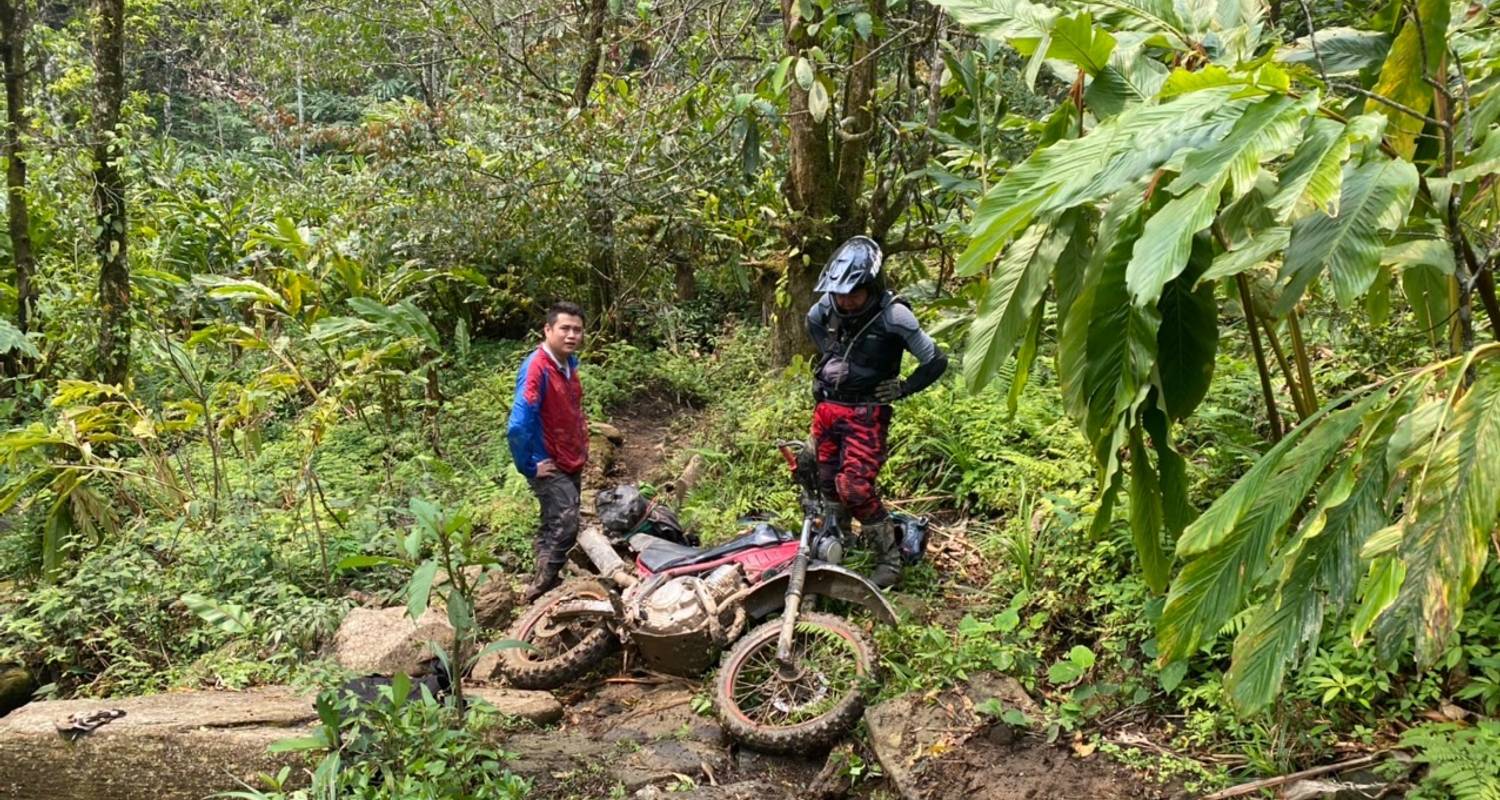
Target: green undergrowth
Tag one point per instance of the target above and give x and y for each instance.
(262, 578)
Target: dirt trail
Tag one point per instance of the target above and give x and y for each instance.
(654, 428)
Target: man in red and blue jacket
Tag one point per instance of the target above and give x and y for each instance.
(549, 439)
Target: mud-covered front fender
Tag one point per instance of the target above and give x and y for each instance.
(825, 580)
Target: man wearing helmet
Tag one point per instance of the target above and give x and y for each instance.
(861, 331)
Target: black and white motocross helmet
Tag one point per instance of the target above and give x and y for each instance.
(856, 263)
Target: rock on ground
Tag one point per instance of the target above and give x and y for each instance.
(16, 685)
(538, 707)
(385, 642)
(937, 747)
(175, 746)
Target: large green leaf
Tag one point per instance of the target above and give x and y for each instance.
(1077, 41)
(1310, 180)
(1229, 547)
(1103, 354)
(1161, 253)
(1131, 75)
(1264, 131)
(1250, 255)
(1071, 172)
(1188, 338)
(12, 340)
(1004, 20)
(1344, 51)
(1375, 199)
(1317, 572)
(1014, 290)
(1403, 76)
(1146, 517)
(1450, 511)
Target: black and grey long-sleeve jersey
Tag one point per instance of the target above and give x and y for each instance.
(859, 351)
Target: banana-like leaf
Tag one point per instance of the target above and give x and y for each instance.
(1146, 517)
(1161, 253)
(1376, 198)
(1403, 76)
(223, 288)
(227, 617)
(1450, 511)
(1077, 41)
(1343, 51)
(1188, 338)
(1004, 20)
(12, 340)
(1071, 172)
(1264, 131)
(1317, 571)
(1310, 180)
(1131, 75)
(1252, 254)
(1015, 289)
(1230, 546)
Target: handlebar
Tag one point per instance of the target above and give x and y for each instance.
(789, 451)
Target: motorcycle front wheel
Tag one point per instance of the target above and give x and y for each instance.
(811, 706)
(562, 651)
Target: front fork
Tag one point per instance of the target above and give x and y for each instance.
(795, 581)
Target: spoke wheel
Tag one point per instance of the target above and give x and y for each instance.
(563, 650)
(809, 704)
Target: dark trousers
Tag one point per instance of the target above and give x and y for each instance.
(558, 495)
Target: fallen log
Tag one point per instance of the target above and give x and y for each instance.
(175, 746)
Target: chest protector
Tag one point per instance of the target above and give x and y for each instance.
(862, 350)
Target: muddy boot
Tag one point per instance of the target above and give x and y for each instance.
(546, 579)
(881, 537)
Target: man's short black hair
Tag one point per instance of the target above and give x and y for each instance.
(565, 307)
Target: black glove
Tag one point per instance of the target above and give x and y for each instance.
(888, 391)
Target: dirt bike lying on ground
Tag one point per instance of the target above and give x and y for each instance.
(794, 683)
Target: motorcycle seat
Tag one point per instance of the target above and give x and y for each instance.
(662, 556)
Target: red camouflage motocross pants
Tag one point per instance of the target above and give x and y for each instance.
(851, 442)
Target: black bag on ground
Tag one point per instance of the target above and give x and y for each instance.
(624, 512)
(367, 688)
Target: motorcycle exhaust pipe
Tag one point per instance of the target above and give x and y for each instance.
(604, 558)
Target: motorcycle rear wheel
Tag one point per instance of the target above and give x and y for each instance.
(813, 708)
(562, 653)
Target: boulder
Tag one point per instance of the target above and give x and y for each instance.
(385, 641)
(496, 599)
(16, 686)
(638, 737)
(540, 708)
(175, 746)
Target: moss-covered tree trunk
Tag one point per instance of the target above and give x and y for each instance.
(15, 24)
(109, 191)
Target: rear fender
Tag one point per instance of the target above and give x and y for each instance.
(825, 580)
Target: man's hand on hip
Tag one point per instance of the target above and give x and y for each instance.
(546, 469)
(888, 391)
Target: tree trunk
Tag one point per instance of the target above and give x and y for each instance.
(823, 186)
(593, 33)
(109, 191)
(684, 277)
(601, 224)
(15, 25)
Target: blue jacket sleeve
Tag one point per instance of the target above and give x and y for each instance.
(524, 431)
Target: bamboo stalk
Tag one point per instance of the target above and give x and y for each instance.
(1299, 401)
(1268, 783)
(1304, 364)
(1260, 358)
